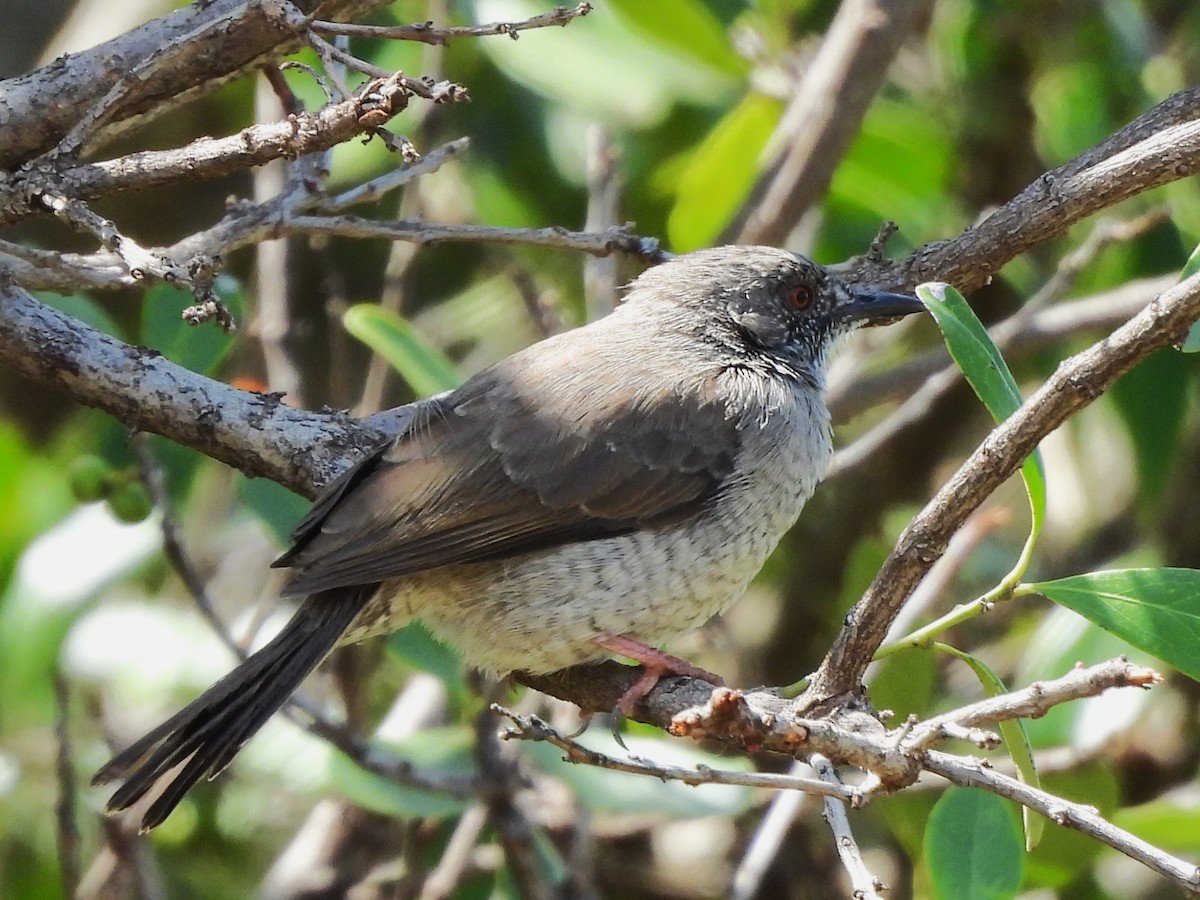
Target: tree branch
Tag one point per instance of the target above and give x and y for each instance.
(248, 35)
(1077, 382)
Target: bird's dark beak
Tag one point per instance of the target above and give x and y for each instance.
(871, 307)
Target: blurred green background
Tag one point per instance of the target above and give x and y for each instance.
(982, 99)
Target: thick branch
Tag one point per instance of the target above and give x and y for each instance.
(256, 433)
(1159, 147)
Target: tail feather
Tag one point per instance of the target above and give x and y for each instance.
(208, 732)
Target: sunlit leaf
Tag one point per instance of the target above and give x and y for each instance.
(1156, 610)
(721, 172)
(989, 375)
(973, 847)
(1016, 740)
(426, 369)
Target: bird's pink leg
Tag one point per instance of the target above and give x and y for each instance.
(655, 664)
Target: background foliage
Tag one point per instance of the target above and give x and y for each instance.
(984, 98)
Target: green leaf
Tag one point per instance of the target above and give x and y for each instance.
(1016, 740)
(686, 26)
(721, 172)
(1156, 610)
(200, 348)
(972, 847)
(432, 751)
(426, 369)
(417, 646)
(1170, 823)
(85, 309)
(1191, 343)
(606, 790)
(275, 505)
(989, 375)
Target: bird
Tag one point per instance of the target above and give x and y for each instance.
(593, 495)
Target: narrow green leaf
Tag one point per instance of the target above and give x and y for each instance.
(1191, 343)
(1156, 610)
(1016, 740)
(416, 645)
(426, 369)
(989, 375)
(972, 847)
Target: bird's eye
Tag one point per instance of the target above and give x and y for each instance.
(800, 297)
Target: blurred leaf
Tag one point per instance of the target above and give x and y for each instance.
(1156, 610)
(1169, 823)
(1016, 740)
(279, 508)
(417, 646)
(1071, 105)
(600, 67)
(989, 375)
(1152, 400)
(423, 366)
(85, 309)
(605, 790)
(686, 26)
(973, 847)
(200, 348)
(721, 172)
(1191, 344)
(432, 751)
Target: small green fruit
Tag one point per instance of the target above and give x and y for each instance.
(131, 502)
(89, 478)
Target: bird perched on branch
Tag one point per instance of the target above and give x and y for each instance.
(592, 495)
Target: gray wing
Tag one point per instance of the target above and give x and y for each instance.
(530, 454)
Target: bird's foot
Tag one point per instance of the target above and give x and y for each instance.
(655, 664)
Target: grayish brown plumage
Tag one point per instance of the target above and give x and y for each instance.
(610, 487)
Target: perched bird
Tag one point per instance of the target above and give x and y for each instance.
(592, 495)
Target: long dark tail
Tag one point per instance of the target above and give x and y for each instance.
(212, 728)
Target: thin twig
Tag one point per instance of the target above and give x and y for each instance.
(532, 728)
(865, 886)
(427, 33)
(64, 810)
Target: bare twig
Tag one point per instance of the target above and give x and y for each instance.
(531, 728)
(456, 858)
(373, 105)
(208, 57)
(604, 196)
(427, 33)
(864, 885)
(67, 827)
(620, 239)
